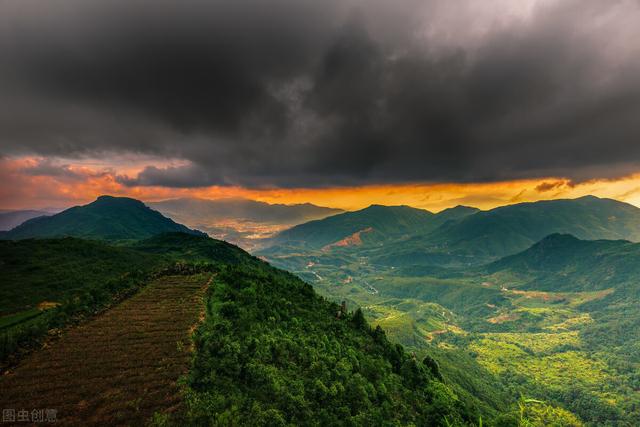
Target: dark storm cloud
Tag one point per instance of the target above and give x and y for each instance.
(174, 177)
(65, 172)
(318, 93)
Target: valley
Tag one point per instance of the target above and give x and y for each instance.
(529, 342)
(546, 322)
(545, 335)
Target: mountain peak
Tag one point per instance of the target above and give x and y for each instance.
(107, 218)
(460, 208)
(379, 207)
(115, 199)
(558, 238)
(589, 197)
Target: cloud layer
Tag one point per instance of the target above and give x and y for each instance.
(313, 93)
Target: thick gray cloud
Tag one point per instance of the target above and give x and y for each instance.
(326, 92)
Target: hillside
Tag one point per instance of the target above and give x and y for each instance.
(384, 222)
(106, 371)
(50, 270)
(457, 237)
(270, 351)
(107, 218)
(510, 229)
(555, 320)
(485, 236)
(561, 262)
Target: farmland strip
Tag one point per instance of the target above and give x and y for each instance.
(118, 369)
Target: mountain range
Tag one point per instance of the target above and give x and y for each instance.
(564, 263)
(537, 299)
(400, 236)
(194, 211)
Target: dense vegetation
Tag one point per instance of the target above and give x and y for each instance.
(36, 271)
(272, 352)
(557, 323)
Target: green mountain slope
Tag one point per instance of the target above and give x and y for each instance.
(510, 229)
(374, 225)
(561, 262)
(49, 270)
(193, 248)
(270, 352)
(488, 235)
(589, 289)
(107, 218)
(34, 271)
(556, 320)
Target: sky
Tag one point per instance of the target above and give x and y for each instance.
(342, 103)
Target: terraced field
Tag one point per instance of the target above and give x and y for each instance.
(118, 369)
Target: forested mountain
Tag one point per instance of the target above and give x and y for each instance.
(510, 229)
(460, 236)
(270, 352)
(375, 224)
(108, 218)
(561, 262)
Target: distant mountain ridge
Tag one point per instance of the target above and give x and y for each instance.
(460, 236)
(190, 210)
(510, 229)
(108, 218)
(12, 219)
(384, 222)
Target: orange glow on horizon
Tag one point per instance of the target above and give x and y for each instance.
(82, 183)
